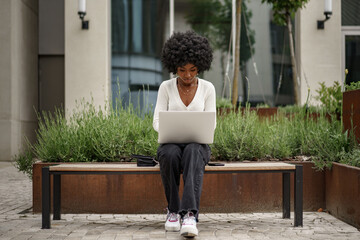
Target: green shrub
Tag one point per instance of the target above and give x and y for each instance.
(324, 140)
(351, 158)
(223, 103)
(353, 86)
(237, 137)
(244, 137)
(330, 97)
(114, 134)
(292, 109)
(24, 161)
(90, 135)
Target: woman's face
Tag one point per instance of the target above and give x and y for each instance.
(187, 74)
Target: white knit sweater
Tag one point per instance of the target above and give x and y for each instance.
(169, 99)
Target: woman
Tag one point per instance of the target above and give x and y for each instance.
(186, 55)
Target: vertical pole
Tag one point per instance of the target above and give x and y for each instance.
(57, 196)
(45, 198)
(233, 16)
(298, 198)
(286, 195)
(171, 17)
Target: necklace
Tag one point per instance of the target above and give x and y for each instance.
(186, 92)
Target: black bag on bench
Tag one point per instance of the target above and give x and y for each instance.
(144, 161)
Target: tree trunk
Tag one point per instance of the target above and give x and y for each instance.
(244, 83)
(223, 73)
(293, 61)
(237, 53)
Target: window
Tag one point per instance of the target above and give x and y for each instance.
(350, 13)
(352, 58)
(350, 39)
(137, 38)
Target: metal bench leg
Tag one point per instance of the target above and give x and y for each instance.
(45, 203)
(57, 196)
(286, 195)
(298, 198)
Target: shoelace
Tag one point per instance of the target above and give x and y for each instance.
(172, 217)
(188, 220)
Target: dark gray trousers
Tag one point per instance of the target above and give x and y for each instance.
(190, 160)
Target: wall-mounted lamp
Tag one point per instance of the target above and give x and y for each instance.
(327, 13)
(82, 13)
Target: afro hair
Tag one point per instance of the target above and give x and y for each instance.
(183, 48)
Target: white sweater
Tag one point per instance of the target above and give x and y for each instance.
(169, 99)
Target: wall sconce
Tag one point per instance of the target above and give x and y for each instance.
(82, 13)
(327, 13)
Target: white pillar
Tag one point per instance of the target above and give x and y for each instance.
(318, 50)
(18, 75)
(87, 54)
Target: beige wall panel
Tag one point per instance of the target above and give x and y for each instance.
(87, 54)
(5, 140)
(25, 62)
(319, 50)
(24, 72)
(5, 80)
(5, 73)
(18, 75)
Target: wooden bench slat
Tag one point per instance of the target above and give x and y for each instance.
(258, 166)
(119, 167)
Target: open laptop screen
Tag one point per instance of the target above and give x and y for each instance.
(186, 127)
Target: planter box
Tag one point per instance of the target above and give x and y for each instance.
(264, 113)
(261, 112)
(351, 111)
(244, 192)
(343, 193)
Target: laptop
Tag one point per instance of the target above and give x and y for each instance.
(186, 127)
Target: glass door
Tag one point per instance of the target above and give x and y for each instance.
(351, 54)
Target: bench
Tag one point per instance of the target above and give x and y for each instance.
(99, 168)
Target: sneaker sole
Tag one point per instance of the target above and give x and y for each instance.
(189, 232)
(172, 229)
(188, 235)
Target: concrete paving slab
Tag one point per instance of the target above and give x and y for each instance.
(18, 222)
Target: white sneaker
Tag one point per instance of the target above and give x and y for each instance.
(188, 227)
(172, 222)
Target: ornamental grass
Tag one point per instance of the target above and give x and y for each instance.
(114, 133)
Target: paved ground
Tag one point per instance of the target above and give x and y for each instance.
(18, 222)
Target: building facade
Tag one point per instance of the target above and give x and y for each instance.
(48, 61)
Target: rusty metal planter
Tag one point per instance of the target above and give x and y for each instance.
(245, 192)
(343, 193)
(261, 112)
